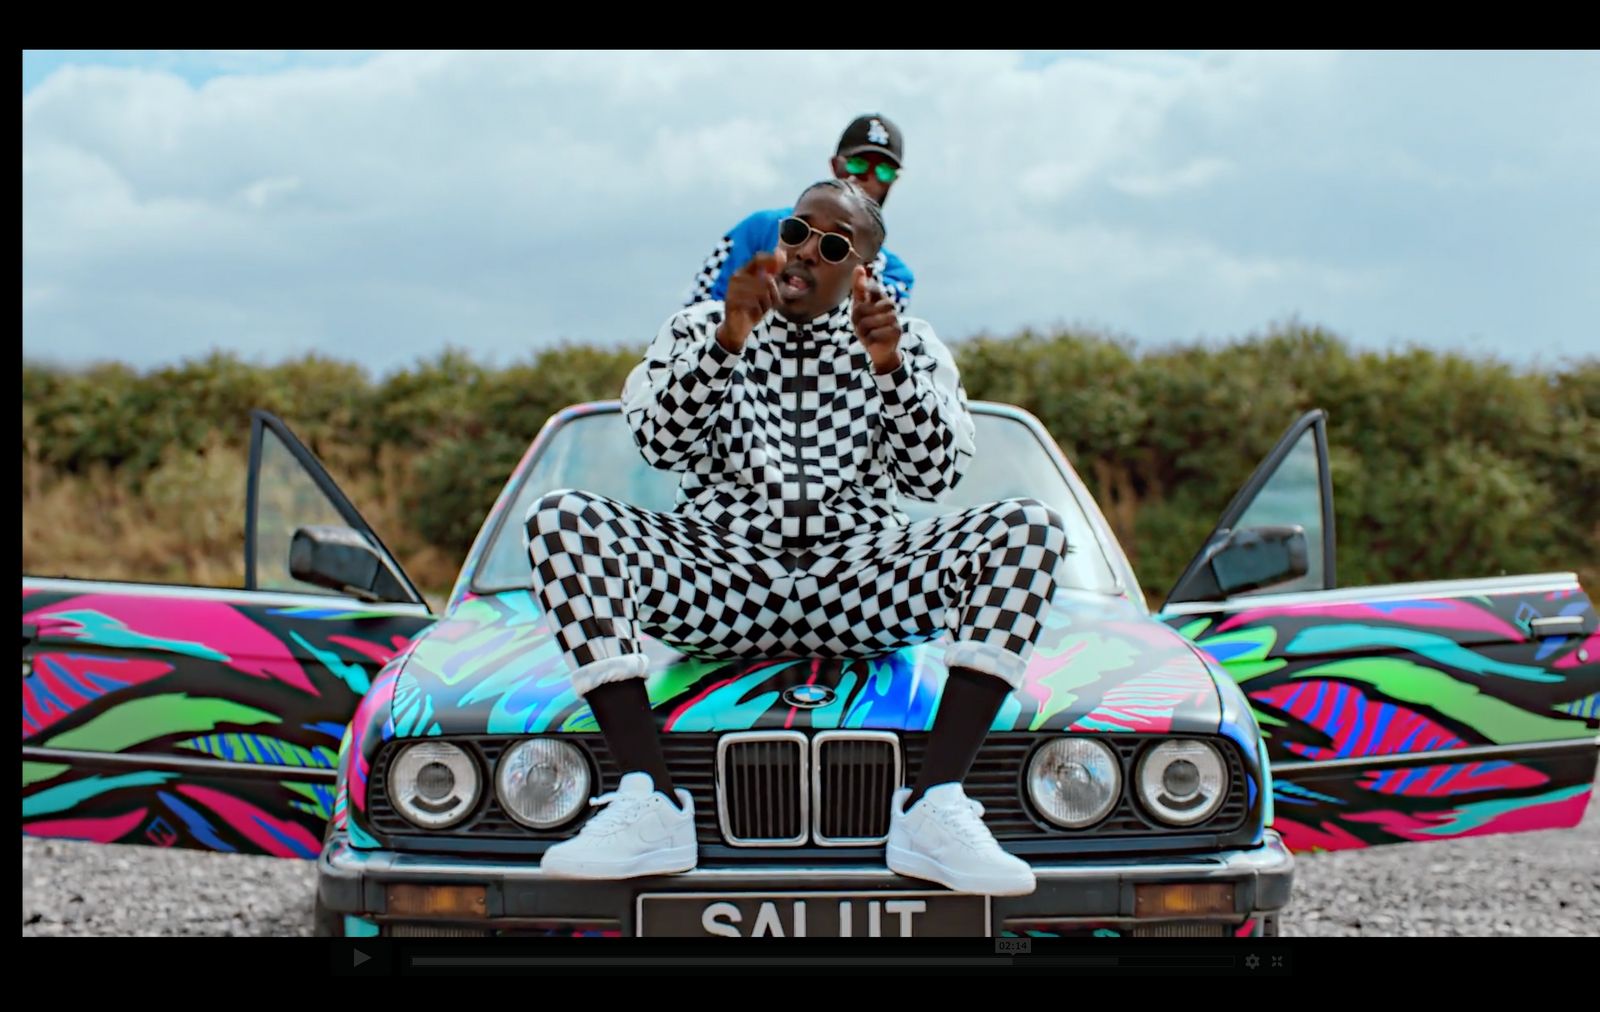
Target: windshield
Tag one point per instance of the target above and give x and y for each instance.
(597, 453)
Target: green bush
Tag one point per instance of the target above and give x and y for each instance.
(1444, 465)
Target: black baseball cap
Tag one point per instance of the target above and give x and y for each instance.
(874, 132)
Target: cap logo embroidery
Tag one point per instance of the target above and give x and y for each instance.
(877, 134)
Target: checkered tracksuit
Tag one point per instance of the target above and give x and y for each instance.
(786, 540)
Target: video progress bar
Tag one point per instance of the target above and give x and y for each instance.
(1141, 962)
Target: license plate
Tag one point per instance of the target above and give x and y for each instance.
(811, 915)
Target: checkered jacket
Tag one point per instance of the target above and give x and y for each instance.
(796, 441)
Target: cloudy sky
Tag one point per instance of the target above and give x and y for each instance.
(379, 206)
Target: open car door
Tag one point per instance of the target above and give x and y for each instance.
(177, 716)
(1400, 713)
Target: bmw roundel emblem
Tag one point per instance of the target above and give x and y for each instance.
(808, 697)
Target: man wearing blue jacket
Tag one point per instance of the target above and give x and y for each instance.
(870, 151)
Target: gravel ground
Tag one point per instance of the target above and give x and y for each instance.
(1545, 883)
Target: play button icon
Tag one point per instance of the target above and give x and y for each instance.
(360, 957)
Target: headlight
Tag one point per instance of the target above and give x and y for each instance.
(1182, 782)
(543, 782)
(1074, 782)
(433, 784)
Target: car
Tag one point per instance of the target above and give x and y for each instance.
(1159, 769)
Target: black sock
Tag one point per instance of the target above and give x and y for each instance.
(622, 709)
(971, 699)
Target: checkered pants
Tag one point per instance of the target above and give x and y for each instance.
(607, 572)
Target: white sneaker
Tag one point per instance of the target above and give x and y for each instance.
(638, 833)
(943, 839)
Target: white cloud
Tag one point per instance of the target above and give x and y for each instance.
(376, 208)
(258, 193)
(1193, 175)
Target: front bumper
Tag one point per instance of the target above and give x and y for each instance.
(1094, 893)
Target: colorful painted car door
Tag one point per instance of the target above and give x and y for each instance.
(1399, 713)
(206, 717)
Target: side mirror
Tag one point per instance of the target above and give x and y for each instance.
(340, 559)
(1256, 557)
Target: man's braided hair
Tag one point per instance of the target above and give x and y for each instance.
(852, 191)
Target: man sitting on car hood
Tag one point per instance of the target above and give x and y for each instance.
(797, 410)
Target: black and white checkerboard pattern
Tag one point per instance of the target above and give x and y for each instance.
(607, 572)
(706, 277)
(795, 441)
(896, 293)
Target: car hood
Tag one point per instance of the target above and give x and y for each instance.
(493, 666)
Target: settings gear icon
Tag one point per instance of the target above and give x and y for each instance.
(1252, 961)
